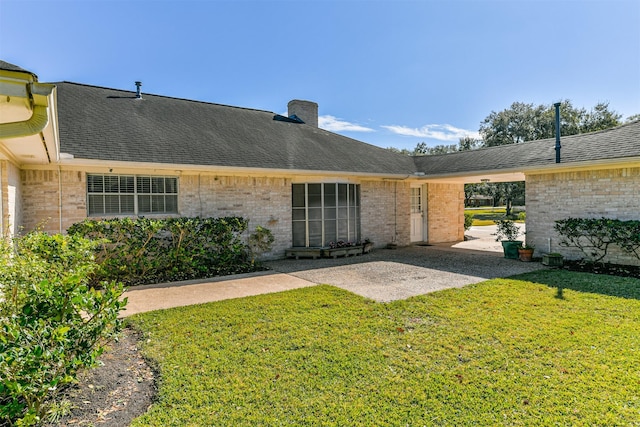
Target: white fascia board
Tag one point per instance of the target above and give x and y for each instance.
(106, 165)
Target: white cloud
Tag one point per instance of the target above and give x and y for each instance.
(334, 124)
(438, 132)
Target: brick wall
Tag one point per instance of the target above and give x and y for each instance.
(445, 212)
(610, 193)
(45, 192)
(265, 201)
(385, 212)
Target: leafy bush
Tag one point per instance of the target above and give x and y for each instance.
(468, 220)
(260, 241)
(594, 236)
(52, 324)
(146, 250)
(507, 230)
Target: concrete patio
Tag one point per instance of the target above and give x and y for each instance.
(382, 275)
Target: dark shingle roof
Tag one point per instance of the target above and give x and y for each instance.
(112, 125)
(10, 67)
(616, 143)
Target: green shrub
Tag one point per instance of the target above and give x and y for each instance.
(594, 236)
(52, 324)
(146, 250)
(468, 220)
(507, 230)
(260, 241)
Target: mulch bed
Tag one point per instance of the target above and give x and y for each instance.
(113, 394)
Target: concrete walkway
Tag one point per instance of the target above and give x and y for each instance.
(382, 275)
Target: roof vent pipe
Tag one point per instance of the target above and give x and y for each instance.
(558, 146)
(138, 92)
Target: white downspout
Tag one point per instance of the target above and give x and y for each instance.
(1, 204)
(39, 93)
(60, 197)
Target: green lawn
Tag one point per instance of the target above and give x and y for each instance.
(545, 348)
(487, 216)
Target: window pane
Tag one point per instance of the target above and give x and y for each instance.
(112, 204)
(126, 204)
(329, 195)
(330, 232)
(126, 184)
(297, 195)
(157, 204)
(342, 213)
(342, 230)
(157, 185)
(299, 230)
(96, 204)
(144, 204)
(171, 185)
(329, 213)
(315, 233)
(315, 213)
(315, 195)
(342, 194)
(144, 184)
(111, 184)
(171, 204)
(356, 195)
(95, 183)
(298, 214)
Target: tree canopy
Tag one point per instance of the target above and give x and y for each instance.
(525, 122)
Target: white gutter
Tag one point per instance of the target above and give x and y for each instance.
(34, 125)
(38, 94)
(123, 166)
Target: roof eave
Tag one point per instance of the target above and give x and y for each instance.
(122, 166)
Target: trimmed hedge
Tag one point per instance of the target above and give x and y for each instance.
(594, 236)
(143, 250)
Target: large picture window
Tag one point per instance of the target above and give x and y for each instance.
(325, 213)
(131, 194)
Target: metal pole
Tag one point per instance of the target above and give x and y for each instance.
(558, 146)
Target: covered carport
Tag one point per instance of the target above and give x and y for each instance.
(598, 175)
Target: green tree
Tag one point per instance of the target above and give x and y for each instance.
(632, 118)
(525, 122)
(468, 143)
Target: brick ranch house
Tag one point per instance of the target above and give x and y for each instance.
(69, 151)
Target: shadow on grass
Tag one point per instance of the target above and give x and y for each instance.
(622, 287)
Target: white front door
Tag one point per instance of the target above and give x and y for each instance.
(416, 214)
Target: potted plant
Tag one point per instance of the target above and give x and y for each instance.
(553, 259)
(507, 233)
(525, 252)
(367, 245)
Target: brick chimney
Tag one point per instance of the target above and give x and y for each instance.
(307, 111)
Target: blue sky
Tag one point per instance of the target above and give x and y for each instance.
(390, 73)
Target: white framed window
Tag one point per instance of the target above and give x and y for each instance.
(416, 200)
(325, 212)
(131, 195)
